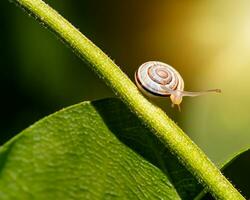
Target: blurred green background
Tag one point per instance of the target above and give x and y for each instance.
(208, 42)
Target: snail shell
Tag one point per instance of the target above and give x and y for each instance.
(155, 78)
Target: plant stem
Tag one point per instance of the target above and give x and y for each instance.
(154, 118)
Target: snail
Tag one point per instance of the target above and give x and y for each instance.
(155, 78)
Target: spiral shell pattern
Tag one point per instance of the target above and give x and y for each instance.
(158, 78)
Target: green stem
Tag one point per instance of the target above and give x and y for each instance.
(160, 124)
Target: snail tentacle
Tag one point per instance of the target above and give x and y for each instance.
(195, 94)
(200, 93)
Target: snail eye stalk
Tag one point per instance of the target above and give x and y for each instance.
(195, 94)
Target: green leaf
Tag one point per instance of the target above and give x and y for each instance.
(97, 150)
(237, 170)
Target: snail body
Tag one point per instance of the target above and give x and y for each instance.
(156, 78)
